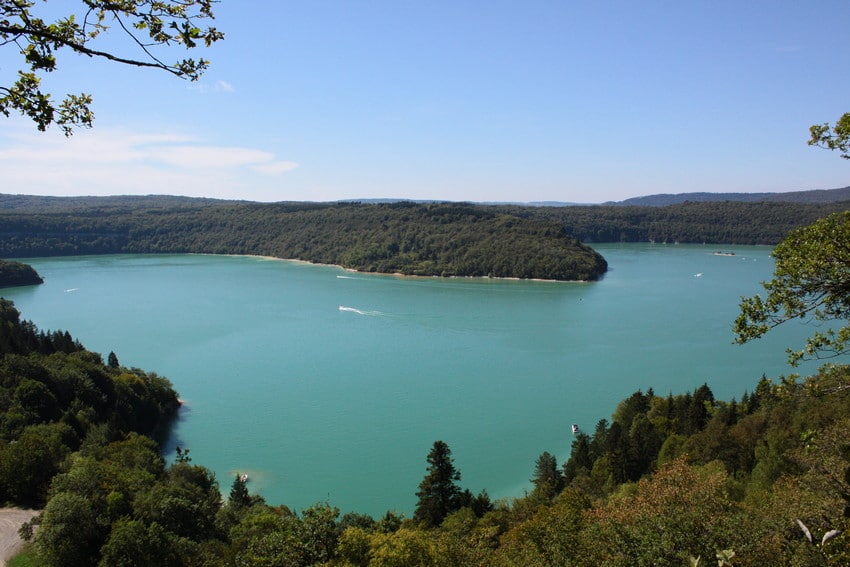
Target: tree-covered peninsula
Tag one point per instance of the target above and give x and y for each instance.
(423, 239)
(405, 238)
(16, 274)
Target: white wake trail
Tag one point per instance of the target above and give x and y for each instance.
(359, 312)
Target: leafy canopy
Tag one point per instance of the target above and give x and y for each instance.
(148, 26)
(811, 282)
(836, 137)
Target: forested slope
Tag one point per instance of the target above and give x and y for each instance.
(56, 397)
(727, 222)
(16, 274)
(406, 238)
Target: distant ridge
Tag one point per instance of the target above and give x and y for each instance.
(812, 197)
(64, 204)
(808, 197)
(44, 203)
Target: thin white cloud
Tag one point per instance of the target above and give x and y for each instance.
(219, 86)
(108, 162)
(275, 167)
(194, 156)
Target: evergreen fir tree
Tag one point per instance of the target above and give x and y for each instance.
(239, 492)
(438, 494)
(548, 480)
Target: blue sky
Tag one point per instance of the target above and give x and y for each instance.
(459, 100)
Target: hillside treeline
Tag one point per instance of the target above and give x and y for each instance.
(726, 222)
(17, 274)
(57, 398)
(669, 479)
(406, 238)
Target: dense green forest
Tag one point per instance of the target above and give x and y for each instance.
(16, 273)
(406, 238)
(668, 480)
(56, 397)
(439, 239)
(725, 222)
(810, 196)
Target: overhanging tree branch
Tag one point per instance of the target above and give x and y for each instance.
(166, 22)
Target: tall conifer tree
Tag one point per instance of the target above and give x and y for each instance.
(438, 494)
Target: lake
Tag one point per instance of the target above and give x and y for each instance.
(328, 385)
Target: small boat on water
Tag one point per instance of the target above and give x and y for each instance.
(575, 428)
(243, 477)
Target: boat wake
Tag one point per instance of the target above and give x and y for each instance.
(359, 312)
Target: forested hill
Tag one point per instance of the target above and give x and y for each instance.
(17, 274)
(817, 196)
(442, 239)
(407, 238)
(726, 222)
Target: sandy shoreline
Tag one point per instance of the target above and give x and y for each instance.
(393, 274)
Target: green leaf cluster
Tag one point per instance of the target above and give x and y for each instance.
(147, 25)
(811, 282)
(836, 137)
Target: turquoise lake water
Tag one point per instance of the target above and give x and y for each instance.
(327, 385)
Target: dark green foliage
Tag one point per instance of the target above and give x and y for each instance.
(56, 397)
(239, 493)
(29, 462)
(22, 337)
(17, 274)
(131, 543)
(811, 281)
(814, 196)
(439, 494)
(479, 504)
(389, 522)
(547, 480)
(698, 223)
(318, 533)
(405, 238)
(185, 504)
(69, 534)
(581, 460)
(835, 137)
